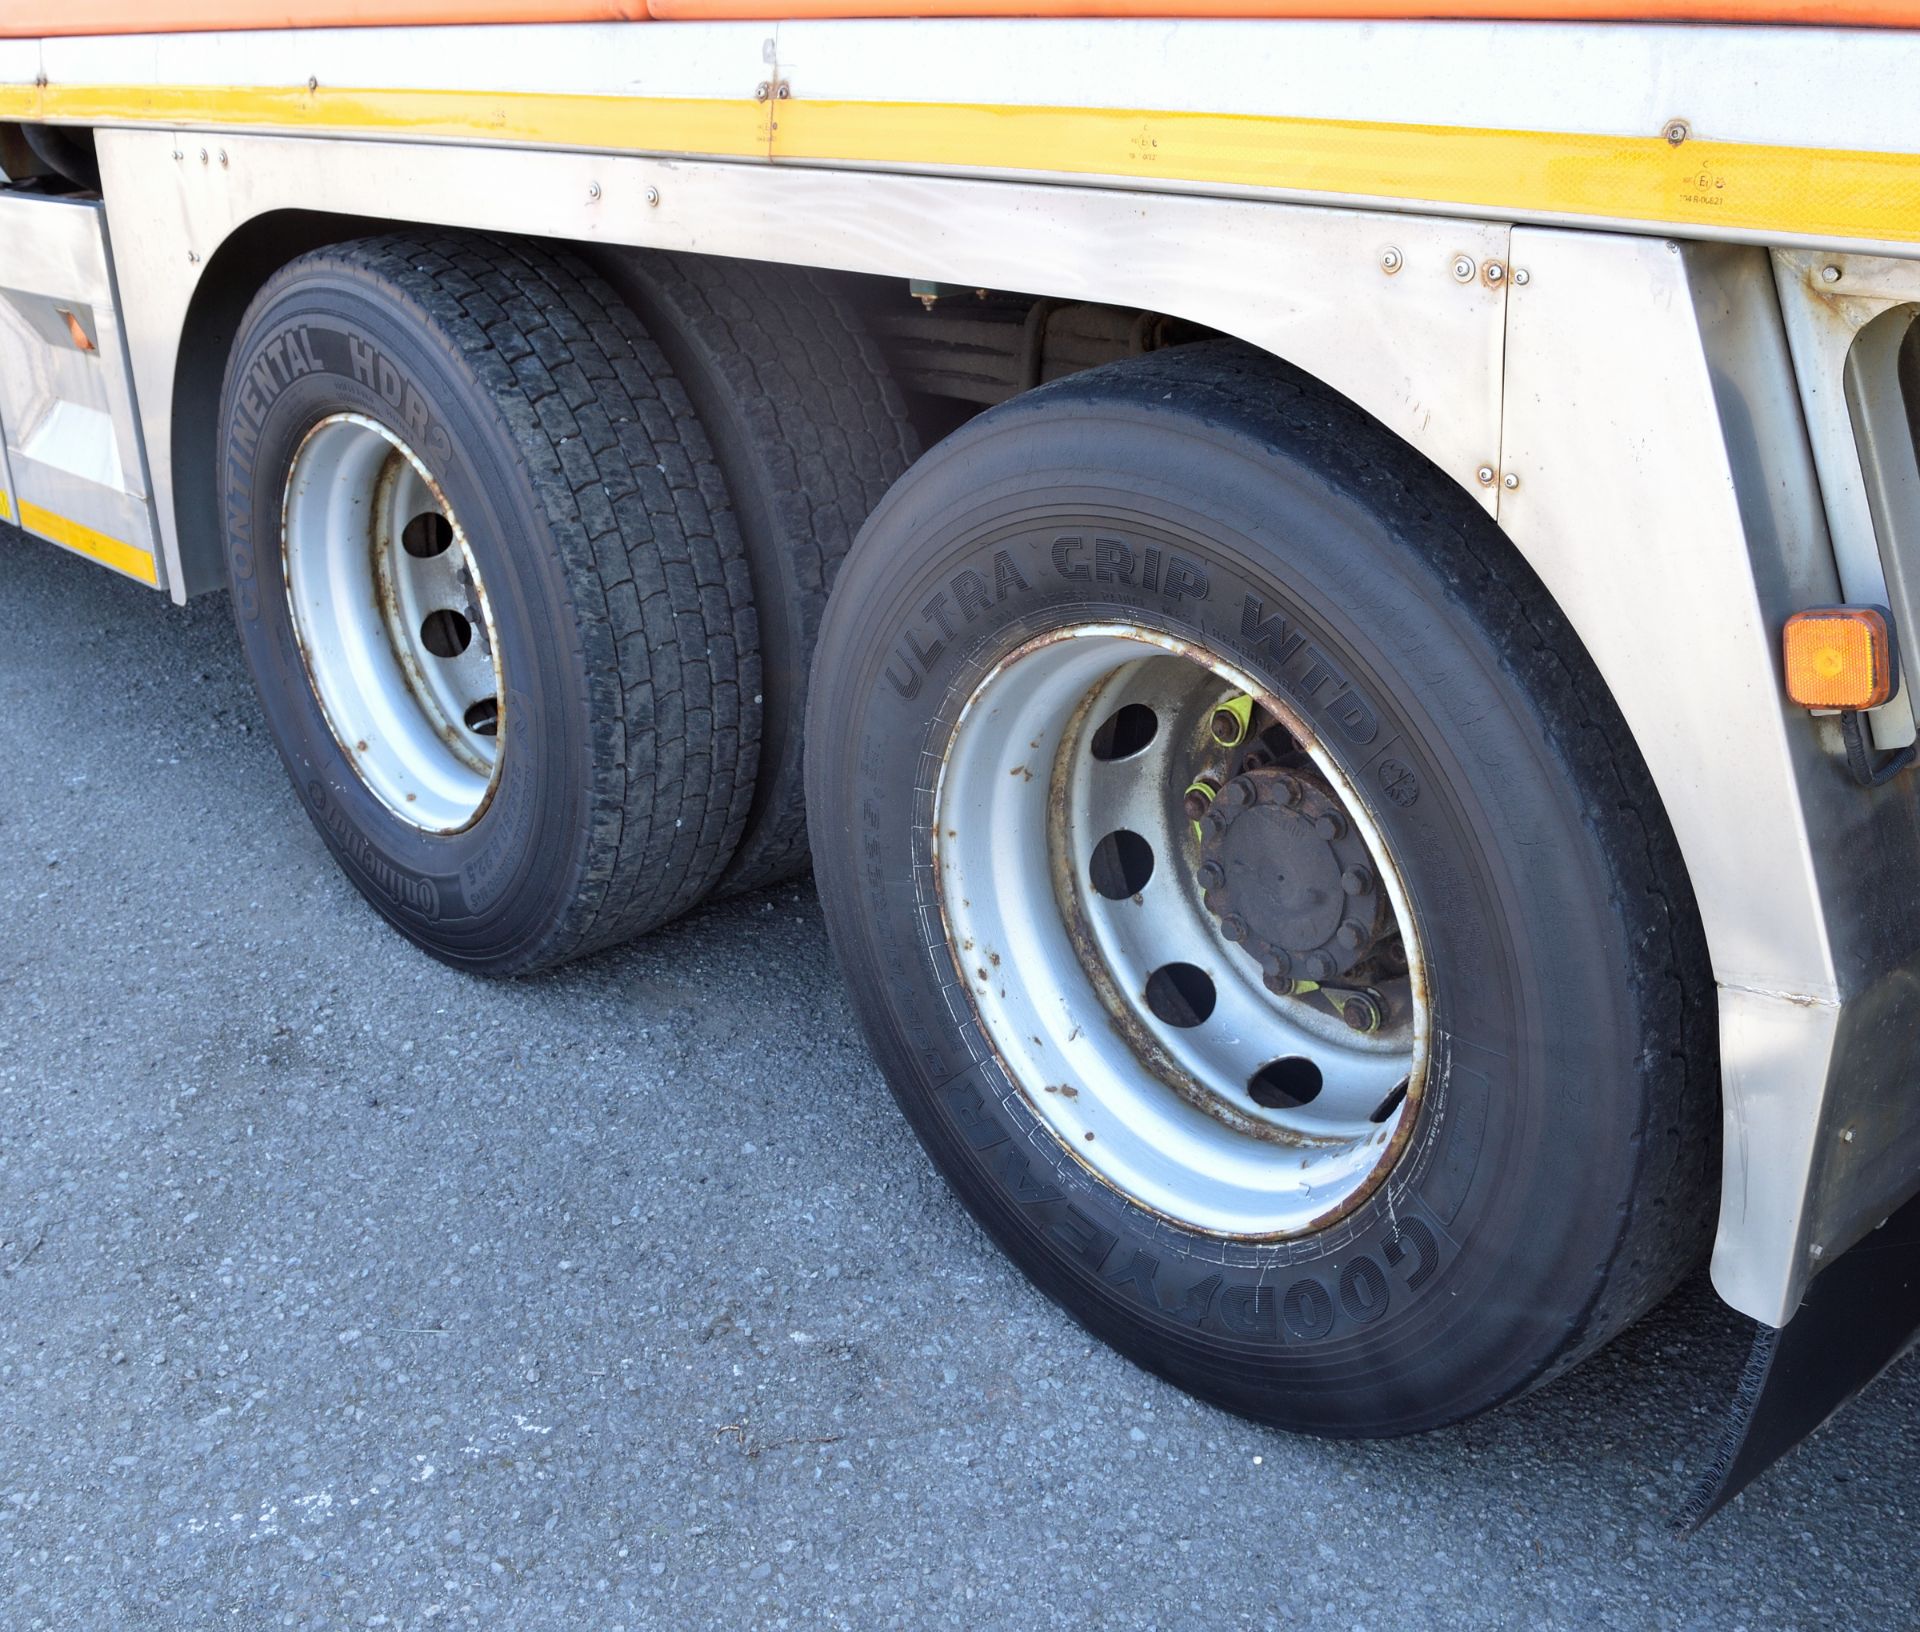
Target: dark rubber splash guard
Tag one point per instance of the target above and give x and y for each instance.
(1859, 1316)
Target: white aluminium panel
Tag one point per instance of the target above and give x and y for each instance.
(66, 391)
(586, 59)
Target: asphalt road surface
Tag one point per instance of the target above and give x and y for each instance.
(338, 1289)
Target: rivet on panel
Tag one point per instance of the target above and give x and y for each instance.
(1485, 474)
(1509, 481)
(1389, 261)
(1463, 268)
(653, 195)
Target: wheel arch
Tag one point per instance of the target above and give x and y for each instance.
(235, 273)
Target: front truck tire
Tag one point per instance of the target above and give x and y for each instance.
(491, 593)
(1258, 907)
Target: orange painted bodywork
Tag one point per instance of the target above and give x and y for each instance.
(1828, 13)
(45, 19)
(36, 19)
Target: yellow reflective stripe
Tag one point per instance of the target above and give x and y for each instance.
(1738, 186)
(665, 124)
(6, 507)
(1818, 192)
(110, 552)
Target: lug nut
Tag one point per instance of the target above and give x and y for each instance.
(1234, 927)
(1317, 965)
(1361, 1013)
(1211, 875)
(1330, 826)
(1287, 791)
(1282, 985)
(1356, 881)
(1198, 798)
(1351, 935)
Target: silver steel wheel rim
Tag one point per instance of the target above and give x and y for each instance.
(393, 623)
(1057, 972)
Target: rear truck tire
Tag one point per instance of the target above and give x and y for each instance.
(491, 593)
(1258, 907)
(810, 432)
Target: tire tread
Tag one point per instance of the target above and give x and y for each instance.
(667, 644)
(803, 409)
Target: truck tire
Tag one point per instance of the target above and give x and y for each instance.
(810, 432)
(491, 594)
(1257, 906)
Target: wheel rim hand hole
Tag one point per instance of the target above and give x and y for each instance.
(483, 719)
(1125, 732)
(446, 633)
(427, 535)
(1121, 866)
(1390, 1104)
(1286, 1083)
(1180, 994)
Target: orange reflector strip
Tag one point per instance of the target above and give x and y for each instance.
(1839, 657)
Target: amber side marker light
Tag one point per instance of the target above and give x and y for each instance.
(1841, 660)
(1839, 657)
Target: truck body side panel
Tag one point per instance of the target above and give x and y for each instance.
(74, 468)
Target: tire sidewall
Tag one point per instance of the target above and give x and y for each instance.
(1513, 1172)
(327, 340)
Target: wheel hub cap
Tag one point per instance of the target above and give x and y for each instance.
(1288, 877)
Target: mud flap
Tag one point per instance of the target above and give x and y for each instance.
(1859, 1316)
